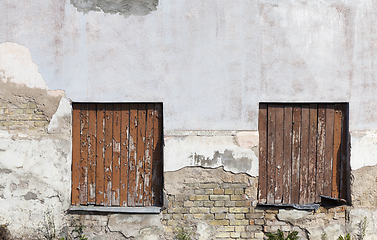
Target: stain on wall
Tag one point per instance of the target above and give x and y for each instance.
(123, 7)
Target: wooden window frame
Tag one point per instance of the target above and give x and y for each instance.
(117, 151)
(296, 156)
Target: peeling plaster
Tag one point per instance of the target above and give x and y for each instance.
(123, 7)
(211, 152)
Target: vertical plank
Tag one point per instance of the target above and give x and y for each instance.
(262, 129)
(141, 128)
(125, 131)
(343, 156)
(336, 151)
(148, 156)
(100, 167)
(271, 153)
(287, 178)
(75, 200)
(84, 115)
(320, 150)
(312, 152)
(304, 159)
(133, 156)
(92, 147)
(296, 137)
(115, 186)
(157, 164)
(108, 152)
(279, 153)
(327, 178)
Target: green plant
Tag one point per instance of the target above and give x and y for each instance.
(363, 228)
(346, 237)
(78, 229)
(183, 233)
(49, 225)
(280, 235)
(324, 236)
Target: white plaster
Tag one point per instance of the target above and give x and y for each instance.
(356, 216)
(64, 111)
(363, 149)
(17, 66)
(180, 152)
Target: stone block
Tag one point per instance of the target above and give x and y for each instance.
(219, 222)
(219, 216)
(223, 235)
(240, 203)
(270, 216)
(238, 210)
(229, 191)
(234, 185)
(18, 111)
(198, 203)
(177, 204)
(254, 228)
(40, 123)
(218, 191)
(199, 210)
(230, 203)
(188, 204)
(258, 221)
(236, 197)
(199, 191)
(245, 235)
(259, 235)
(29, 111)
(177, 216)
(239, 191)
(209, 185)
(208, 191)
(209, 216)
(219, 203)
(32, 105)
(199, 197)
(229, 228)
(235, 234)
(239, 222)
(239, 216)
(219, 197)
(208, 204)
(198, 216)
(219, 210)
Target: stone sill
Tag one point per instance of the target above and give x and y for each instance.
(103, 209)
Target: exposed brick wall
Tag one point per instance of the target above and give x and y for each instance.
(228, 208)
(25, 115)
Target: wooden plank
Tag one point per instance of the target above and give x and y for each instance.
(75, 200)
(296, 137)
(157, 164)
(312, 152)
(287, 177)
(271, 153)
(327, 178)
(108, 152)
(343, 156)
(320, 150)
(304, 158)
(100, 170)
(148, 156)
(141, 128)
(125, 130)
(133, 156)
(84, 115)
(115, 186)
(335, 189)
(279, 153)
(92, 147)
(262, 129)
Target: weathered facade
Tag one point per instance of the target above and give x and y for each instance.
(209, 64)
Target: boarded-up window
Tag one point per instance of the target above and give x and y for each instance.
(302, 152)
(117, 154)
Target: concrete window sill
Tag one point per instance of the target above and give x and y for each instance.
(101, 209)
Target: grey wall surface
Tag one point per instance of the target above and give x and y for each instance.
(210, 62)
